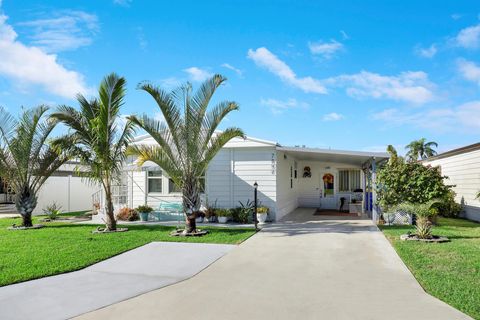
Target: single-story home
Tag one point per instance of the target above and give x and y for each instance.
(462, 167)
(287, 178)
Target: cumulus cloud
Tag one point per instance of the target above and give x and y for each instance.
(469, 70)
(333, 116)
(326, 49)
(198, 75)
(465, 117)
(280, 106)
(429, 52)
(265, 59)
(469, 38)
(66, 30)
(236, 70)
(412, 87)
(29, 65)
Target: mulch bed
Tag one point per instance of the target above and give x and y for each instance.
(181, 233)
(320, 212)
(35, 226)
(412, 237)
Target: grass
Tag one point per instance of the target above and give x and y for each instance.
(64, 247)
(449, 271)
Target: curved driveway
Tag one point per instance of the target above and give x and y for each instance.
(296, 269)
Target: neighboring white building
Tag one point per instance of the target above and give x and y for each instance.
(64, 187)
(462, 167)
(287, 177)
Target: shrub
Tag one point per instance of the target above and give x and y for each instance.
(448, 207)
(52, 211)
(237, 214)
(223, 213)
(144, 209)
(127, 214)
(412, 182)
(262, 209)
(424, 213)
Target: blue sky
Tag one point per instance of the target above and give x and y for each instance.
(341, 74)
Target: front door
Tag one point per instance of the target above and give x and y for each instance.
(327, 190)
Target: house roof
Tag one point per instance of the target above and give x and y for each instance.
(454, 152)
(329, 155)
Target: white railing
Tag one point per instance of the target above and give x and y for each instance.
(119, 197)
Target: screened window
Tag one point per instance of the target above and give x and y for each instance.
(348, 180)
(154, 181)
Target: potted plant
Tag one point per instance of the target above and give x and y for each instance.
(223, 215)
(144, 211)
(262, 214)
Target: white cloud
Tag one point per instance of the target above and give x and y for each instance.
(142, 41)
(410, 86)
(32, 66)
(469, 38)
(333, 116)
(197, 74)
(345, 36)
(456, 16)
(429, 52)
(279, 106)
(236, 70)
(123, 3)
(469, 70)
(465, 117)
(326, 49)
(265, 59)
(66, 30)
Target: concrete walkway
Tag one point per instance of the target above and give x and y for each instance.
(303, 268)
(138, 271)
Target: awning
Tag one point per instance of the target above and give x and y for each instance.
(358, 158)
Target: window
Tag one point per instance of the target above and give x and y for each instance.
(172, 187)
(348, 180)
(154, 181)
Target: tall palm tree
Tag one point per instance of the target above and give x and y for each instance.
(188, 138)
(27, 159)
(420, 149)
(98, 138)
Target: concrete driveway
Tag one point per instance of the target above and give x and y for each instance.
(302, 268)
(127, 275)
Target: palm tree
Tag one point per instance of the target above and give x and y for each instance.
(98, 139)
(27, 158)
(420, 149)
(188, 138)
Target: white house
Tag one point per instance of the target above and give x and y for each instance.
(287, 177)
(462, 167)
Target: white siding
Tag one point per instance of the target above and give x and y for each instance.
(463, 171)
(287, 194)
(232, 173)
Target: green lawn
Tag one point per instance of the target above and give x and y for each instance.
(449, 271)
(63, 247)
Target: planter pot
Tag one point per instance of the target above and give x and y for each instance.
(262, 217)
(144, 216)
(199, 220)
(222, 219)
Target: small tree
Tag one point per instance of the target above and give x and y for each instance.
(399, 181)
(27, 159)
(187, 139)
(97, 137)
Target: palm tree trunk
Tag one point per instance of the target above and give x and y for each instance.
(25, 203)
(111, 223)
(191, 203)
